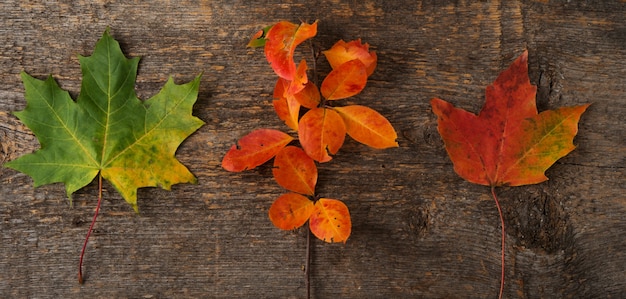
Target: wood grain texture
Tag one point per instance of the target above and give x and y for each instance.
(419, 231)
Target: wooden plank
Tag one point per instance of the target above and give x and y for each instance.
(418, 229)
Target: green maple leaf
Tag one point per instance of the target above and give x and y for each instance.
(108, 130)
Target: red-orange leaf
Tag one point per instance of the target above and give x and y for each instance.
(255, 149)
(330, 221)
(287, 108)
(367, 126)
(321, 132)
(508, 142)
(290, 211)
(309, 97)
(342, 52)
(281, 42)
(295, 171)
(345, 81)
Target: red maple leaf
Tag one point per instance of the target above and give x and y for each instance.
(508, 142)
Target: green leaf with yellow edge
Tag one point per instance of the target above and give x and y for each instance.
(108, 130)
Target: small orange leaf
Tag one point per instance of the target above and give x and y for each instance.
(345, 81)
(287, 108)
(297, 84)
(367, 126)
(321, 132)
(330, 221)
(309, 97)
(342, 52)
(281, 42)
(295, 171)
(255, 149)
(290, 211)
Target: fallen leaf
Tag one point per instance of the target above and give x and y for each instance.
(299, 79)
(258, 40)
(367, 126)
(330, 221)
(290, 211)
(287, 107)
(321, 132)
(254, 149)
(344, 81)
(309, 96)
(108, 129)
(295, 171)
(342, 52)
(508, 142)
(281, 42)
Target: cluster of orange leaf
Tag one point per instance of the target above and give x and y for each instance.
(321, 129)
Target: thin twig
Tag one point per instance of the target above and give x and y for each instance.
(315, 55)
(307, 272)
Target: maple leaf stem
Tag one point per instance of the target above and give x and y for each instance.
(93, 221)
(495, 198)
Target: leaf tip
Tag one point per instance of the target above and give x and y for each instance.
(585, 106)
(107, 33)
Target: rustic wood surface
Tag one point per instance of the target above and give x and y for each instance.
(419, 230)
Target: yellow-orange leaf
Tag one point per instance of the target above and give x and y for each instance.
(322, 132)
(290, 211)
(281, 42)
(309, 97)
(295, 171)
(255, 149)
(367, 126)
(287, 108)
(342, 52)
(330, 221)
(345, 81)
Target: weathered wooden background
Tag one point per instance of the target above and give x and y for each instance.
(419, 230)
